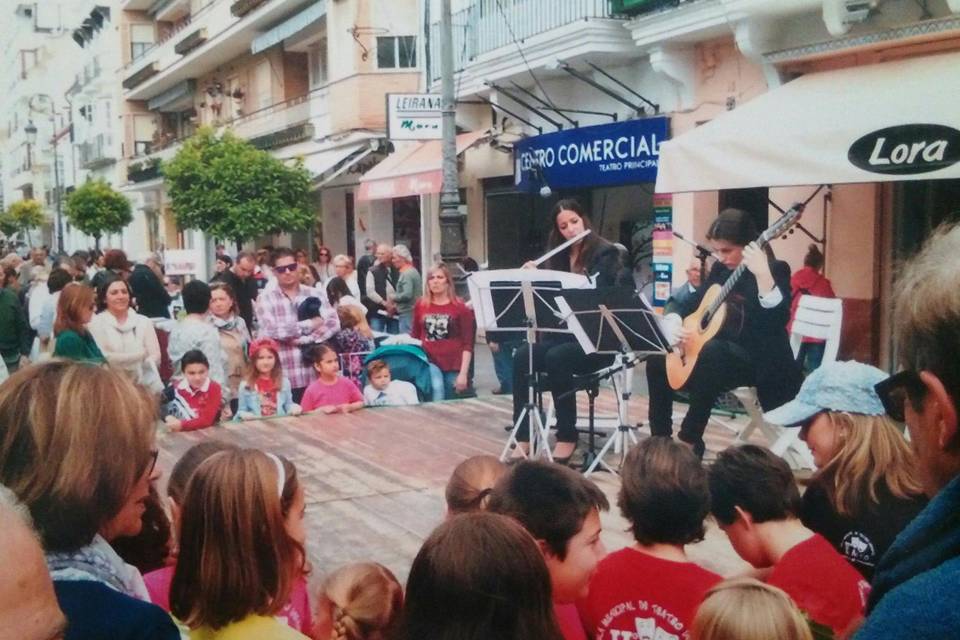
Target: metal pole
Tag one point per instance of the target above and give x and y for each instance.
(56, 181)
(453, 246)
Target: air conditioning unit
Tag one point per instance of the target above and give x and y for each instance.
(839, 15)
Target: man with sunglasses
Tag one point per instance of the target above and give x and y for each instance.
(916, 587)
(277, 314)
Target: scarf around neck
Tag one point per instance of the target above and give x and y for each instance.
(98, 562)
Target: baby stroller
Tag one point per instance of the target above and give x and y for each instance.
(408, 363)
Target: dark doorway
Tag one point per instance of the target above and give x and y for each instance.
(754, 201)
(351, 225)
(406, 226)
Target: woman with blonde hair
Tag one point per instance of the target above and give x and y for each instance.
(866, 488)
(445, 327)
(470, 484)
(75, 309)
(747, 609)
(359, 602)
(77, 449)
(240, 559)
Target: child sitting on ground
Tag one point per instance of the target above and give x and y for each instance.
(242, 562)
(381, 390)
(361, 601)
(756, 502)
(561, 510)
(330, 393)
(265, 391)
(747, 609)
(866, 489)
(665, 497)
(471, 483)
(198, 398)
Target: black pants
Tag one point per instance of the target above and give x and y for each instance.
(560, 361)
(297, 394)
(721, 366)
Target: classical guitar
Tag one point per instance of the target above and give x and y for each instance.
(708, 319)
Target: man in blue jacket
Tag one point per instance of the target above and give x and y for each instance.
(916, 586)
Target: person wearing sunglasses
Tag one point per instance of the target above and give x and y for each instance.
(277, 313)
(866, 488)
(916, 586)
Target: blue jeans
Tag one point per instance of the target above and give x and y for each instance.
(503, 364)
(406, 321)
(437, 382)
(810, 355)
(384, 324)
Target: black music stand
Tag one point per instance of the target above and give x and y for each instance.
(620, 322)
(523, 300)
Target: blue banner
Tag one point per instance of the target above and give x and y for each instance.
(605, 155)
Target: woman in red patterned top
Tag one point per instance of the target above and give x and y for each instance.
(445, 326)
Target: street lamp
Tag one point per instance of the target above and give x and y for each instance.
(31, 132)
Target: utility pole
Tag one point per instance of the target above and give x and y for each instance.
(453, 245)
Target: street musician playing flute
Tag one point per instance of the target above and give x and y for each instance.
(560, 356)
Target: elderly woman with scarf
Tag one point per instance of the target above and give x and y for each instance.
(234, 336)
(83, 469)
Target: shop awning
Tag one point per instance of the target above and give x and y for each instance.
(877, 123)
(413, 170)
(326, 165)
(289, 28)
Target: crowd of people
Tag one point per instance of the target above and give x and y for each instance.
(107, 309)
(869, 550)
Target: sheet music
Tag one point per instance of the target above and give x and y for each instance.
(604, 329)
(485, 286)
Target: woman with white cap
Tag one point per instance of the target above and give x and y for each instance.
(866, 488)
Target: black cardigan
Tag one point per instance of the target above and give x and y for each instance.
(761, 332)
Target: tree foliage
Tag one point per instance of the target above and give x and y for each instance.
(96, 208)
(22, 215)
(226, 187)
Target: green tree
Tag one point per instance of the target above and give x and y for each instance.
(223, 185)
(97, 208)
(21, 216)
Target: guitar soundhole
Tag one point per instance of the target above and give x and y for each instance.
(705, 321)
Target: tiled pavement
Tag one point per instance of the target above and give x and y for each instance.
(374, 479)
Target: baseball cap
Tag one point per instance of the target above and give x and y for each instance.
(835, 386)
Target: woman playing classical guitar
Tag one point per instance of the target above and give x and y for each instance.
(753, 349)
(561, 357)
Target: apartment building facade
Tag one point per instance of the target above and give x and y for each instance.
(302, 79)
(601, 64)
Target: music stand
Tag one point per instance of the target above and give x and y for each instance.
(523, 300)
(616, 321)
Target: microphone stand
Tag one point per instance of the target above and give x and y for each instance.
(702, 254)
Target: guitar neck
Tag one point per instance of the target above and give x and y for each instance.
(727, 288)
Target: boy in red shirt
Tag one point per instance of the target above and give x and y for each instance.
(561, 510)
(756, 502)
(651, 589)
(199, 396)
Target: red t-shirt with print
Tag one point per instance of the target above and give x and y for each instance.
(635, 594)
(822, 583)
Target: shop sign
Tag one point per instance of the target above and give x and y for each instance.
(906, 149)
(181, 262)
(662, 250)
(414, 116)
(603, 155)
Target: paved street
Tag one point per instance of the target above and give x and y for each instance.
(374, 479)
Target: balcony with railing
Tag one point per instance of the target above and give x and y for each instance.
(97, 152)
(201, 42)
(294, 120)
(488, 25)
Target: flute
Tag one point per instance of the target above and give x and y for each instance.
(577, 238)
